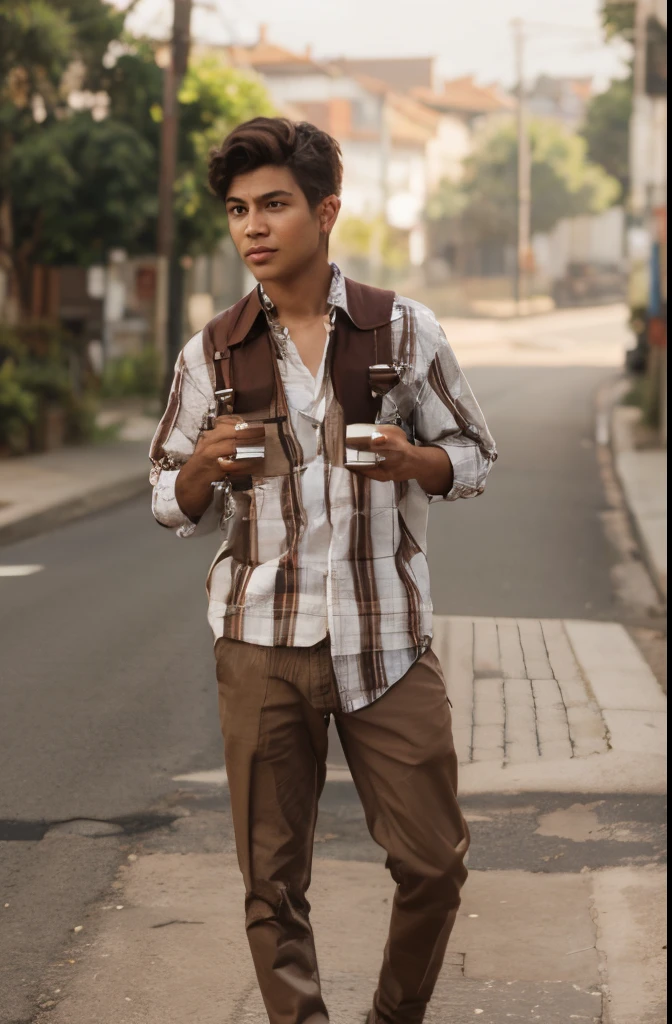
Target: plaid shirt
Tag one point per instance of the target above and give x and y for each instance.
(342, 556)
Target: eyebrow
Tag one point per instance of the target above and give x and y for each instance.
(265, 197)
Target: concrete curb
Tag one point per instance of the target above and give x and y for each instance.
(75, 507)
(623, 420)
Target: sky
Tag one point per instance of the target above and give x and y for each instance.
(465, 36)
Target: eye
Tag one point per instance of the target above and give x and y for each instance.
(237, 211)
(275, 204)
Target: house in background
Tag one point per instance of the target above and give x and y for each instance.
(383, 131)
(401, 132)
(561, 99)
(465, 109)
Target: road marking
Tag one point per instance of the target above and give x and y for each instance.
(218, 777)
(20, 570)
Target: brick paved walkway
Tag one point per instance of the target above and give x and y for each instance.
(518, 691)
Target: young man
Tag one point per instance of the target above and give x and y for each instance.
(319, 594)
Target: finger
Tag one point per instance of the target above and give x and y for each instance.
(363, 443)
(360, 444)
(227, 427)
(241, 467)
(225, 449)
(370, 474)
(250, 431)
(391, 443)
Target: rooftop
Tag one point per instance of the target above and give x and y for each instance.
(265, 55)
(400, 73)
(465, 96)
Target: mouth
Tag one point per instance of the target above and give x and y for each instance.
(260, 254)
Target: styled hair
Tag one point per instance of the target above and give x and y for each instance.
(313, 156)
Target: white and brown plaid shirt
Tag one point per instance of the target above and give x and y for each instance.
(349, 560)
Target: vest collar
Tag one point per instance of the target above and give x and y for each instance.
(366, 307)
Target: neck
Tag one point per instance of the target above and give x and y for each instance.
(305, 295)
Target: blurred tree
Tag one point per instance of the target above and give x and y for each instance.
(607, 131)
(355, 238)
(619, 19)
(78, 182)
(448, 201)
(48, 48)
(564, 182)
(80, 186)
(213, 99)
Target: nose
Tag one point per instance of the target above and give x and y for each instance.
(256, 224)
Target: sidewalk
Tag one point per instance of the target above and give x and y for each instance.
(541, 707)
(642, 473)
(40, 491)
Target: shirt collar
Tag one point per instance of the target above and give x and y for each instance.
(336, 299)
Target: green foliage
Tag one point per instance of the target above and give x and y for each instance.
(564, 182)
(44, 36)
(18, 409)
(132, 375)
(213, 99)
(79, 188)
(607, 131)
(37, 42)
(619, 19)
(356, 237)
(448, 201)
(38, 370)
(48, 48)
(645, 395)
(47, 379)
(81, 411)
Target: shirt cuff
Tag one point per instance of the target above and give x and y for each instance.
(168, 513)
(470, 469)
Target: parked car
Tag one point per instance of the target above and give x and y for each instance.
(585, 283)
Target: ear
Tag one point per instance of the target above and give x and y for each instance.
(328, 212)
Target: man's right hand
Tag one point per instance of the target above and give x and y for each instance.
(214, 459)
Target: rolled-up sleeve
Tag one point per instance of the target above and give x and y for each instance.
(191, 398)
(448, 416)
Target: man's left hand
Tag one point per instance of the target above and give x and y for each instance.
(400, 456)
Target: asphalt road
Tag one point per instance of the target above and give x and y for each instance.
(107, 684)
(107, 665)
(532, 544)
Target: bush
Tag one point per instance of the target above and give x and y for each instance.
(43, 366)
(645, 395)
(80, 417)
(18, 410)
(49, 380)
(131, 376)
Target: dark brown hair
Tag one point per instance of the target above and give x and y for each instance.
(313, 157)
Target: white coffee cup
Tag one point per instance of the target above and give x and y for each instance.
(360, 432)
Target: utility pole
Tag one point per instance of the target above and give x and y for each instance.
(378, 235)
(639, 196)
(169, 277)
(524, 186)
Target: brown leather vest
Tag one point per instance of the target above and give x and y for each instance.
(239, 343)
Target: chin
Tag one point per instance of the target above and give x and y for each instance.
(268, 272)
(262, 273)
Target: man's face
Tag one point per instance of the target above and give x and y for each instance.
(272, 226)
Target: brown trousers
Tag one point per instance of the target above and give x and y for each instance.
(275, 704)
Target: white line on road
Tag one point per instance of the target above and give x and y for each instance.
(20, 570)
(218, 777)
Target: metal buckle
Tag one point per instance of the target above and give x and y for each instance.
(224, 401)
